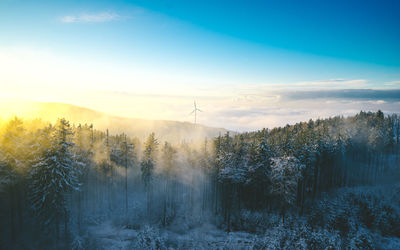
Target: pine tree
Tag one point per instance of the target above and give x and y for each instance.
(5, 174)
(148, 164)
(15, 167)
(53, 176)
(285, 175)
(83, 153)
(257, 177)
(168, 161)
(129, 158)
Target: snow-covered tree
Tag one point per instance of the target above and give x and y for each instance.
(168, 159)
(13, 143)
(257, 176)
(149, 159)
(53, 176)
(6, 174)
(233, 158)
(285, 175)
(14, 158)
(148, 164)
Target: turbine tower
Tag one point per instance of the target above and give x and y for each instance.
(195, 112)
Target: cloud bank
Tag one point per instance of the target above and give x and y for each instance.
(355, 94)
(91, 18)
(240, 110)
(160, 94)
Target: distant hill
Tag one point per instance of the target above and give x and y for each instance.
(173, 131)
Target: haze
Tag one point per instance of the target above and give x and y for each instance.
(183, 124)
(151, 60)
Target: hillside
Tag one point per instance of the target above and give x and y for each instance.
(173, 131)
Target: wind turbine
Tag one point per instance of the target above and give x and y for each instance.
(195, 112)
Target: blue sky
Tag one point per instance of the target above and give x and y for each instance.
(195, 49)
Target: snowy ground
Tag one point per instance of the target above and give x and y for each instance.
(334, 222)
(109, 236)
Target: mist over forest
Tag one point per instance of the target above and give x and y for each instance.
(319, 184)
(172, 131)
(176, 124)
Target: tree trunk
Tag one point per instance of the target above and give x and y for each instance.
(302, 199)
(126, 190)
(316, 176)
(66, 229)
(57, 230)
(79, 212)
(164, 220)
(19, 208)
(12, 215)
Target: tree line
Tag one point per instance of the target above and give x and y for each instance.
(61, 177)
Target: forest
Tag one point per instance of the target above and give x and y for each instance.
(322, 184)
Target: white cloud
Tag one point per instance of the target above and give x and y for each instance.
(152, 93)
(92, 18)
(321, 84)
(393, 83)
(377, 102)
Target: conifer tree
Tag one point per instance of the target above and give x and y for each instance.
(14, 161)
(148, 164)
(53, 176)
(285, 175)
(168, 159)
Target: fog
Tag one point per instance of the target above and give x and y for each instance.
(172, 131)
(321, 183)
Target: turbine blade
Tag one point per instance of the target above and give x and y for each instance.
(192, 112)
(200, 110)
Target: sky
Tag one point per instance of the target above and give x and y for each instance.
(248, 64)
